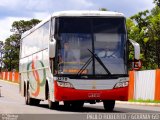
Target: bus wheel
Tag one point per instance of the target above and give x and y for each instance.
(109, 105)
(27, 96)
(52, 105)
(29, 100)
(35, 102)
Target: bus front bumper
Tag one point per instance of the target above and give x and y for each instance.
(71, 94)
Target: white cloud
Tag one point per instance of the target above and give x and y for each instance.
(6, 24)
(37, 5)
(10, 4)
(80, 4)
(40, 8)
(128, 7)
(41, 15)
(11, 10)
(5, 28)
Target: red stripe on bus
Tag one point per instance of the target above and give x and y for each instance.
(67, 94)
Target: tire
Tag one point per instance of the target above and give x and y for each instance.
(35, 102)
(109, 105)
(52, 105)
(29, 100)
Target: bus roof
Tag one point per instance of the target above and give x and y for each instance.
(76, 14)
(87, 13)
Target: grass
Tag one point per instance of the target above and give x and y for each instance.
(145, 101)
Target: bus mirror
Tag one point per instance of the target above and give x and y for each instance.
(136, 49)
(136, 63)
(52, 48)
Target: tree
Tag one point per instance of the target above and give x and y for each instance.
(12, 44)
(157, 2)
(144, 28)
(155, 31)
(155, 11)
(21, 26)
(142, 33)
(11, 50)
(103, 9)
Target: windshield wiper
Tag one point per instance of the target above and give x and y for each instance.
(88, 62)
(84, 66)
(100, 61)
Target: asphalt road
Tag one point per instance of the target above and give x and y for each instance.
(11, 102)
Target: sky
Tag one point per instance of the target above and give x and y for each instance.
(15, 10)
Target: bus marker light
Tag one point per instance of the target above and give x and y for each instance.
(65, 84)
(121, 84)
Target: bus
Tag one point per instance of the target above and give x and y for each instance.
(76, 57)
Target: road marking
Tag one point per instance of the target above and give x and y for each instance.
(9, 82)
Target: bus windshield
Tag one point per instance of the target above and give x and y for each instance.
(82, 39)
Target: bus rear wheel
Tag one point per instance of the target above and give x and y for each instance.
(29, 100)
(109, 105)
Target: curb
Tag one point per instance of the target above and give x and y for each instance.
(138, 103)
(9, 82)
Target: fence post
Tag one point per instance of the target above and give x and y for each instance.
(10, 76)
(157, 85)
(131, 86)
(0, 75)
(16, 77)
(3, 74)
(6, 75)
(13, 76)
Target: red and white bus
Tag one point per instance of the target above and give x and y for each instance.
(76, 57)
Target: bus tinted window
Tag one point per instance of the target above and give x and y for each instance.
(36, 41)
(106, 37)
(72, 25)
(109, 25)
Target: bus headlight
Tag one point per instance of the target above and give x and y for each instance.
(121, 84)
(64, 84)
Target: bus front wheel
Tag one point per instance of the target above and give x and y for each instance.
(109, 105)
